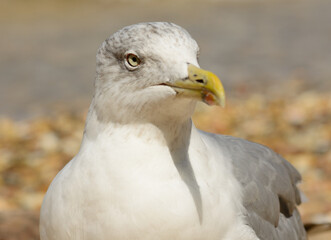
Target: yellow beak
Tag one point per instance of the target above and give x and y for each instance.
(202, 85)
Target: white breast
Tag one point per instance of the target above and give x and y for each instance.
(108, 192)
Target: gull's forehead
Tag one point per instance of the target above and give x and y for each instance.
(152, 36)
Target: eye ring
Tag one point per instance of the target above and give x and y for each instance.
(132, 61)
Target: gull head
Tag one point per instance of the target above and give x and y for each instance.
(150, 70)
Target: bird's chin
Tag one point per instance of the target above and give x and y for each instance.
(163, 90)
(167, 90)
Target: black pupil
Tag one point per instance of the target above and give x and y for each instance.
(134, 59)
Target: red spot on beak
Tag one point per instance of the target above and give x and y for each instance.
(209, 98)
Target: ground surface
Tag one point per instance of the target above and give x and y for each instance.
(296, 126)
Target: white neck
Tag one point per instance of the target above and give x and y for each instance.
(173, 130)
(166, 143)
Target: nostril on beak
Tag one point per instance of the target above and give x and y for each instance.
(199, 80)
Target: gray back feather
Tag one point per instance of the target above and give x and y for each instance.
(270, 194)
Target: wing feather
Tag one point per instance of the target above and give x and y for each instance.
(270, 194)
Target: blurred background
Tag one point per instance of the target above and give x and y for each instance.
(273, 57)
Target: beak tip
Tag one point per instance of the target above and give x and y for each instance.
(221, 100)
(222, 104)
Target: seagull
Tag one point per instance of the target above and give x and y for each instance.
(144, 172)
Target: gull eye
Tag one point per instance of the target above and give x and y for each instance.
(132, 61)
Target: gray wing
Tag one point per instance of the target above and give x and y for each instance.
(270, 194)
